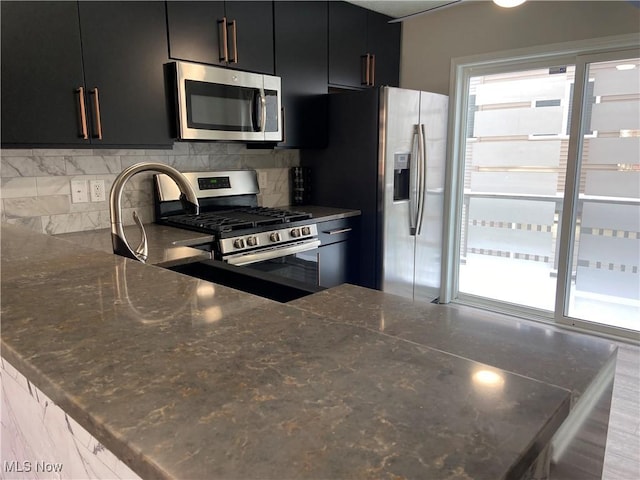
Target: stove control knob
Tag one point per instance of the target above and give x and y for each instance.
(306, 231)
(274, 237)
(252, 241)
(238, 243)
(295, 233)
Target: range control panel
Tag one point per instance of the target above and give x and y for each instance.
(213, 183)
(266, 239)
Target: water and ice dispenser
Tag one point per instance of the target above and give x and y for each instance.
(401, 180)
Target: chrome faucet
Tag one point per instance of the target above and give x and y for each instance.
(120, 245)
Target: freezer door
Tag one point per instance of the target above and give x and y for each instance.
(400, 115)
(428, 248)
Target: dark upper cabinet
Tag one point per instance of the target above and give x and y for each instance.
(347, 43)
(233, 34)
(364, 49)
(195, 31)
(383, 41)
(124, 46)
(41, 72)
(102, 87)
(301, 61)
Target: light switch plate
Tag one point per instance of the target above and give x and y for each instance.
(79, 192)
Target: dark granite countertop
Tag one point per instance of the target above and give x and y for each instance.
(324, 214)
(547, 353)
(182, 378)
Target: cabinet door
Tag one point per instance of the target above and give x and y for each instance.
(347, 43)
(332, 264)
(301, 60)
(194, 31)
(336, 237)
(383, 41)
(251, 44)
(41, 71)
(124, 49)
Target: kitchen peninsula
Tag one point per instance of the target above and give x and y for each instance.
(182, 378)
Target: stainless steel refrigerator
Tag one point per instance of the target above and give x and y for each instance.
(386, 157)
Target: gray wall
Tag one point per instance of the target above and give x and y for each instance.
(430, 41)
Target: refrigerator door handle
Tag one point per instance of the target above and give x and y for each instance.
(422, 176)
(414, 180)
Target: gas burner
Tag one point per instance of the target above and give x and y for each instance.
(285, 215)
(236, 219)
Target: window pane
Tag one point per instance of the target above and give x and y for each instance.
(516, 154)
(605, 285)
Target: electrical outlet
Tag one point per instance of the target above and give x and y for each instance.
(79, 191)
(96, 189)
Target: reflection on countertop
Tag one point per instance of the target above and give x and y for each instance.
(168, 246)
(182, 378)
(538, 351)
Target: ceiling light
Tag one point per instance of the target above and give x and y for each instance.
(508, 3)
(626, 66)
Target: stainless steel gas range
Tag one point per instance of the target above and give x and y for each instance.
(268, 251)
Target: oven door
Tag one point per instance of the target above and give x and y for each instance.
(294, 263)
(283, 274)
(264, 255)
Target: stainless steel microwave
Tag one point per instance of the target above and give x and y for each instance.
(215, 103)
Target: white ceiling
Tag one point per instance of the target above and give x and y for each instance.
(402, 8)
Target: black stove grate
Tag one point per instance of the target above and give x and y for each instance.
(237, 219)
(277, 213)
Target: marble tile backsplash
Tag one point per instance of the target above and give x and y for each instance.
(35, 189)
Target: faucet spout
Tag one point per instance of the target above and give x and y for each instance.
(119, 241)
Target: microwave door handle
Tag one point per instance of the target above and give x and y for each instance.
(259, 111)
(263, 111)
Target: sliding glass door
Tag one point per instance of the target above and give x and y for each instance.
(605, 246)
(515, 157)
(545, 217)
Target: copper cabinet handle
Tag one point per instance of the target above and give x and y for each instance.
(83, 114)
(372, 59)
(96, 106)
(234, 30)
(224, 54)
(364, 68)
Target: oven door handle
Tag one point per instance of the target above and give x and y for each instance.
(240, 259)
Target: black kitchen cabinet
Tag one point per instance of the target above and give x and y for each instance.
(233, 34)
(301, 61)
(88, 73)
(124, 46)
(364, 50)
(383, 41)
(41, 72)
(334, 266)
